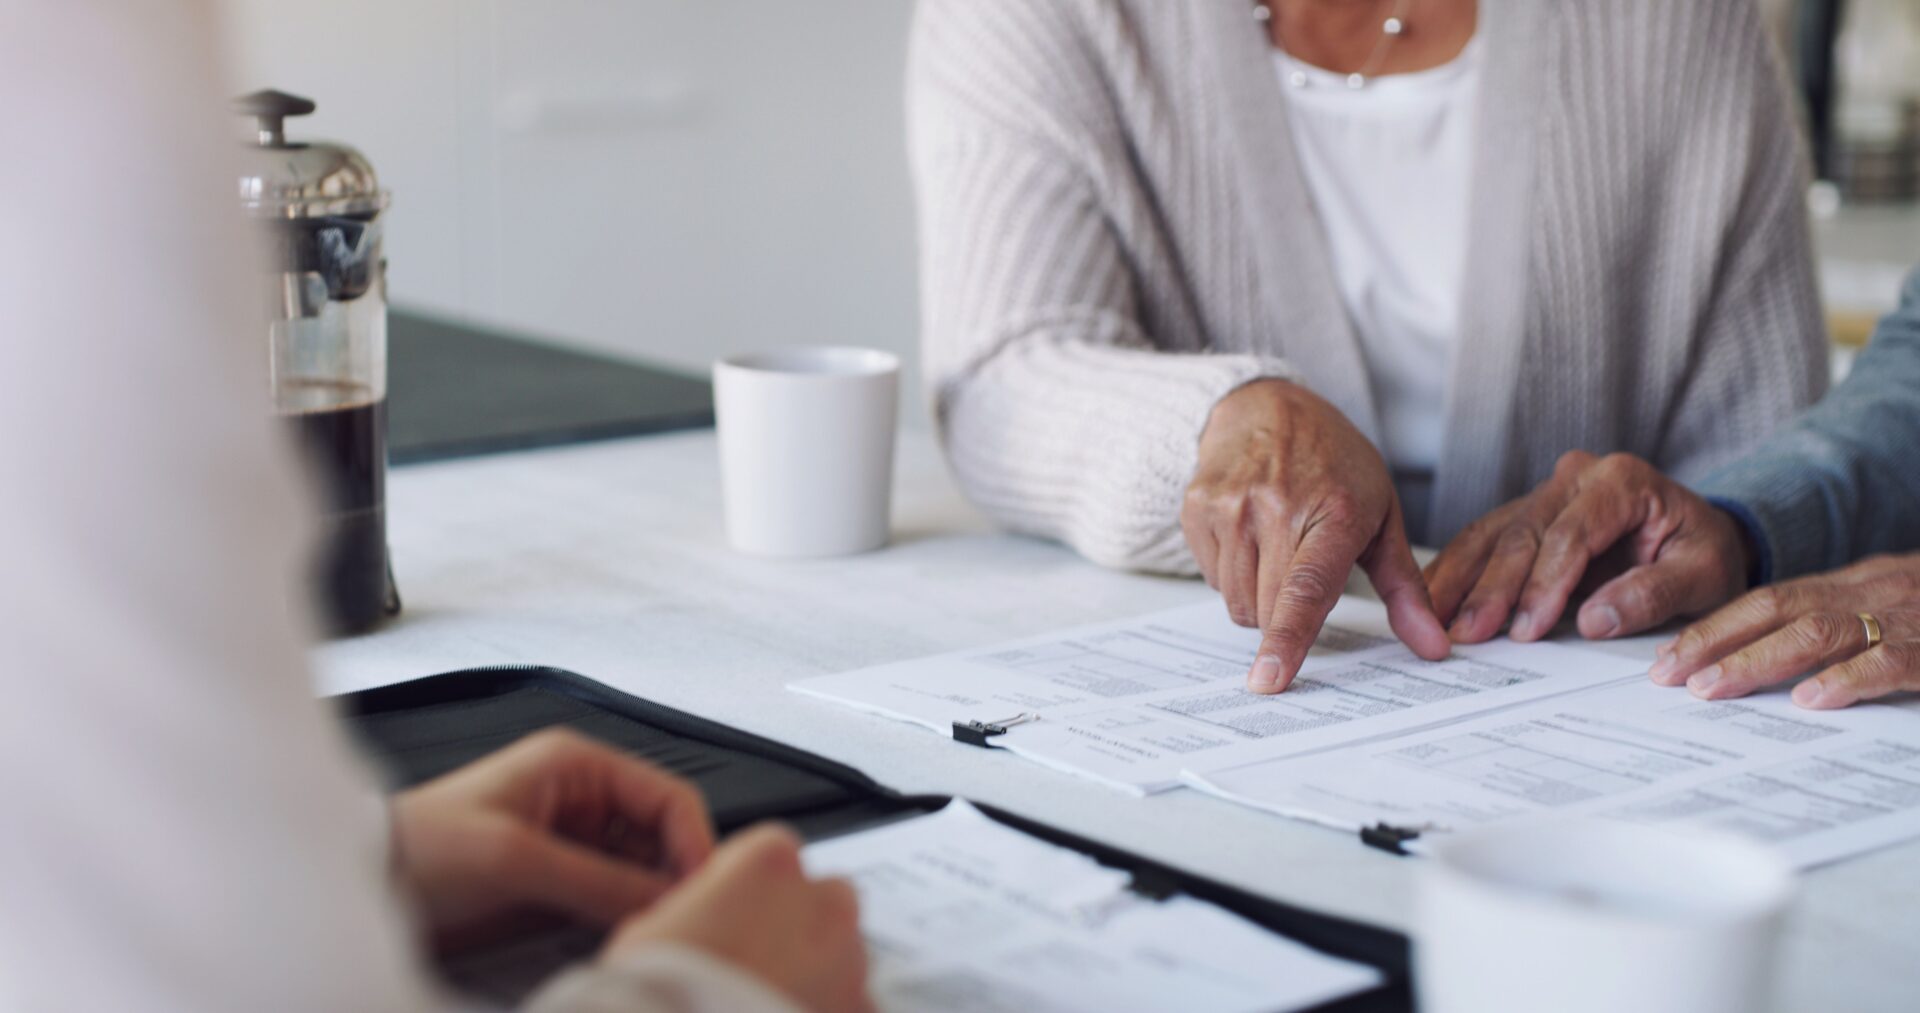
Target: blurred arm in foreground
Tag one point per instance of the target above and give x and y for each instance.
(185, 829)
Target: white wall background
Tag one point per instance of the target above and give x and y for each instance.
(668, 179)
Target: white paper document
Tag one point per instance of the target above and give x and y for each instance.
(962, 913)
(1138, 703)
(1820, 785)
(1369, 733)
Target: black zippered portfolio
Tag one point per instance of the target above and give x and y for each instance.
(418, 730)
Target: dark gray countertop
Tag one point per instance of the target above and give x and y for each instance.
(457, 390)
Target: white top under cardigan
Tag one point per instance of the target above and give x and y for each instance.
(1115, 232)
(1390, 166)
(185, 827)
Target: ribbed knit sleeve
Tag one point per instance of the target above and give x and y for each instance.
(1762, 349)
(1841, 483)
(1062, 414)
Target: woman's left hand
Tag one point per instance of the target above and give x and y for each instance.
(1815, 623)
(1527, 559)
(555, 823)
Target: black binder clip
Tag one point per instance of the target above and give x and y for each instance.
(976, 733)
(1388, 837)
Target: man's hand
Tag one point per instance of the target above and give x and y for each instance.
(554, 823)
(1785, 630)
(1288, 496)
(754, 907)
(1526, 559)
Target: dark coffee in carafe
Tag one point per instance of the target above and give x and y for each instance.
(345, 448)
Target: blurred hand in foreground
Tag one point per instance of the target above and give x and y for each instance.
(754, 907)
(1785, 630)
(1649, 547)
(555, 823)
(1287, 497)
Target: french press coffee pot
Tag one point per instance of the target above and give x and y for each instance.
(319, 205)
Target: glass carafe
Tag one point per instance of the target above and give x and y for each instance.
(320, 207)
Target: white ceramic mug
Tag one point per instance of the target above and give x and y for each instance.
(806, 449)
(1578, 915)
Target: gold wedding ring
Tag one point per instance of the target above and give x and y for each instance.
(1873, 630)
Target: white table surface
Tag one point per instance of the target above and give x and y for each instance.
(609, 559)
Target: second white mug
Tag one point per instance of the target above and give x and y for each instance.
(806, 449)
(1589, 915)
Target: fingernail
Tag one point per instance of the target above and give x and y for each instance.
(1662, 670)
(1664, 650)
(1522, 625)
(1808, 693)
(1606, 621)
(1266, 672)
(1703, 680)
(1461, 624)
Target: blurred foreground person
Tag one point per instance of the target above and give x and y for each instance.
(184, 829)
(1840, 484)
(1265, 290)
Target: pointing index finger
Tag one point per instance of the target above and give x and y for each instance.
(1314, 579)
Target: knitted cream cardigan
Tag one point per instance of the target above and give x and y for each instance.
(1115, 233)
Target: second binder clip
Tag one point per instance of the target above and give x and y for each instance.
(976, 733)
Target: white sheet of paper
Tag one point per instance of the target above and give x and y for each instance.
(1136, 703)
(963, 913)
(1101, 663)
(1820, 785)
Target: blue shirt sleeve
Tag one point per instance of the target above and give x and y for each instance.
(1760, 569)
(1840, 482)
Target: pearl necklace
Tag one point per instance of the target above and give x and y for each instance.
(1390, 29)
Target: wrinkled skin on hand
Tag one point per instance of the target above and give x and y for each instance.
(1287, 498)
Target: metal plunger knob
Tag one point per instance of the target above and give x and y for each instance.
(272, 108)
